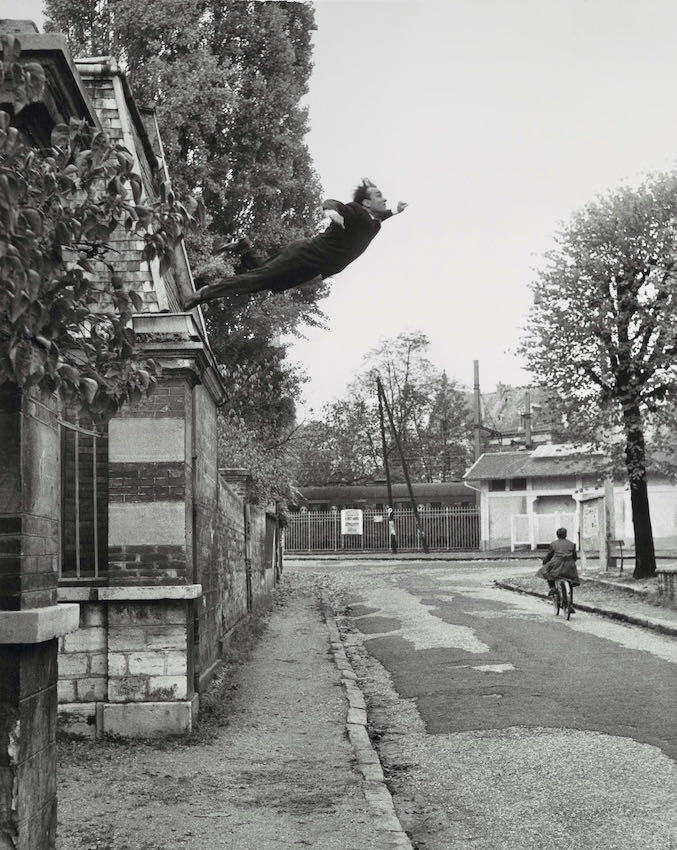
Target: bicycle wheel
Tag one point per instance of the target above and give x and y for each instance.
(566, 602)
(556, 599)
(570, 600)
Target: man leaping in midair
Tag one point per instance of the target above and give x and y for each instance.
(350, 231)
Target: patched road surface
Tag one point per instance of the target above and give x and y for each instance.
(503, 726)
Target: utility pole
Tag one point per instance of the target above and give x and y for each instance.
(386, 466)
(405, 468)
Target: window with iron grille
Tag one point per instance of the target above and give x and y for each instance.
(84, 502)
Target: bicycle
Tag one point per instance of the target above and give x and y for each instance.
(563, 597)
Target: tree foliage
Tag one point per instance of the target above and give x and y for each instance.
(64, 312)
(602, 330)
(429, 413)
(227, 79)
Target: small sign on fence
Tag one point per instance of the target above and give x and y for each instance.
(351, 521)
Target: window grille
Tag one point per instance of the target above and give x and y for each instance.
(84, 503)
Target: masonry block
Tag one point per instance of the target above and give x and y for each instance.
(150, 719)
(117, 664)
(85, 640)
(166, 637)
(78, 719)
(66, 690)
(147, 663)
(176, 664)
(91, 690)
(92, 615)
(167, 688)
(128, 689)
(98, 664)
(73, 664)
(126, 638)
(153, 613)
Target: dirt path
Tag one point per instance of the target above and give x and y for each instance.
(274, 769)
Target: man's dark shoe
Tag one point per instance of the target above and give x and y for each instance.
(228, 244)
(551, 592)
(190, 302)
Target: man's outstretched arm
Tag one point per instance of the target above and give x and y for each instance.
(334, 211)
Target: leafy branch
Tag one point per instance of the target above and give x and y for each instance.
(65, 312)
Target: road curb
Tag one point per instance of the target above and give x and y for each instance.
(644, 622)
(376, 791)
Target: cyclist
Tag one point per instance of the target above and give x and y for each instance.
(560, 562)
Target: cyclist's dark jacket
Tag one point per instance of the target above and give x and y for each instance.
(560, 562)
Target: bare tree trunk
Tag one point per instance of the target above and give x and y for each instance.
(635, 461)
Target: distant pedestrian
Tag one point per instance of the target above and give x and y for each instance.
(351, 230)
(560, 562)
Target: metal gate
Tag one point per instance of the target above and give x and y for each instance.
(445, 529)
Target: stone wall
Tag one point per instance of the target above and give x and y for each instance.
(188, 559)
(83, 658)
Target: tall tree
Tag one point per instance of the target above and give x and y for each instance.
(602, 330)
(429, 412)
(448, 436)
(227, 79)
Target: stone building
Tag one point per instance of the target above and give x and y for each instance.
(126, 556)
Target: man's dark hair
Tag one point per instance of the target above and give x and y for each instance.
(362, 192)
(561, 533)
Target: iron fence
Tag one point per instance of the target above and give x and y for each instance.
(445, 529)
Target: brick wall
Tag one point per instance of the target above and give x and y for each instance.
(107, 95)
(150, 489)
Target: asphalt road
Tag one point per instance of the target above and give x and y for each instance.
(502, 725)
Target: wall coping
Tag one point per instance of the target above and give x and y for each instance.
(38, 625)
(138, 593)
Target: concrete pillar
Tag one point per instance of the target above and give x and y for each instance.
(30, 619)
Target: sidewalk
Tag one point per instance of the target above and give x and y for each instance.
(610, 594)
(289, 764)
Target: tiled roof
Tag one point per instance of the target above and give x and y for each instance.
(530, 465)
(499, 465)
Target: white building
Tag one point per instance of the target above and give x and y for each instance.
(526, 495)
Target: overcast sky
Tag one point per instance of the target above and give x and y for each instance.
(495, 120)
